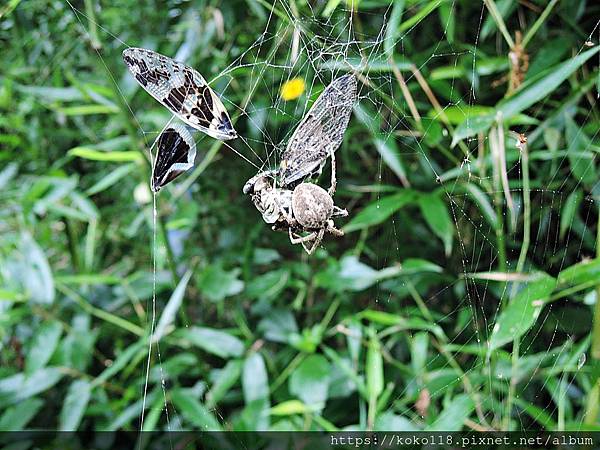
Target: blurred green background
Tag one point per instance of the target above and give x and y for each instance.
(463, 296)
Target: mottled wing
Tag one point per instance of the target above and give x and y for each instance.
(175, 154)
(321, 131)
(181, 89)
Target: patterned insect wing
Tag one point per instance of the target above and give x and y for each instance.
(182, 90)
(320, 132)
(175, 154)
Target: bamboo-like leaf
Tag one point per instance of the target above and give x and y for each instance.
(97, 155)
(531, 92)
(522, 311)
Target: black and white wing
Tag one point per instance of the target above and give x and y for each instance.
(175, 154)
(321, 131)
(181, 89)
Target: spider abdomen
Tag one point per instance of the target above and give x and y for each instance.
(312, 205)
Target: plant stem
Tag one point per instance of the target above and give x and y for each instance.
(526, 215)
(520, 264)
(287, 371)
(538, 23)
(100, 313)
(596, 329)
(593, 401)
(92, 26)
(419, 301)
(493, 9)
(170, 255)
(500, 240)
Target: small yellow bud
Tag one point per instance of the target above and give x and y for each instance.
(292, 89)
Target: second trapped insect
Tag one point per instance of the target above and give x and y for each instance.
(183, 91)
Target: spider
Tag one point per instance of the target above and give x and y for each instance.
(307, 208)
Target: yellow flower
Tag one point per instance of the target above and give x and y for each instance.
(292, 89)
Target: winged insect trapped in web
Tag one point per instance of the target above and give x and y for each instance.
(187, 95)
(283, 196)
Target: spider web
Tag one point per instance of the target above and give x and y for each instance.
(400, 133)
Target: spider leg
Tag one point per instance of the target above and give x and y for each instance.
(302, 239)
(339, 212)
(333, 230)
(316, 241)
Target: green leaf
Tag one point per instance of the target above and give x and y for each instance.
(17, 388)
(138, 348)
(255, 384)
(278, 325)
(255, 381)
(522, 311)
(374, 367)
(376, 64)
(52, 94)
(225, 379)
(489, 26)
(356, 276)
(390, 154)
(388, 421)
(539, 415)
(456, 115)
(18, 416)
(112, 156)
(289, 408)
(551, 53)
(392, 31)
(330, 7)
(413, 266)
(268, 285)
(454, 414)
(383, 318)
(110, 179)
(29, 269)
(418, 350)
(342, 378)
(310, 380)
(77, 348)
(74, 405)
(586, 272)
(353, 275)
(42, 346)
(484, 204)
(414, 20)
(194, 411)
(539, 87)
(384, 144)
(582, 166)
(472, 126)
(173, 305)
(212, 341)
(447, 14)
(380, 210)
(84, 110)
(438, 218)
(8, 173)
(569, 210)
(217, 284)
(88, 278)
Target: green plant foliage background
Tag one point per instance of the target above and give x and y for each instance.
(463, 295)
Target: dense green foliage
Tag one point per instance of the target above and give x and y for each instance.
(461, 297)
